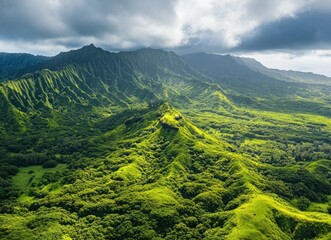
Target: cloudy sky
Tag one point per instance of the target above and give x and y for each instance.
(286, 34)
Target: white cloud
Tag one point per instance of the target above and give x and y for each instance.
(135, 23)
(43, 47)
(50, 26)
(224, 22)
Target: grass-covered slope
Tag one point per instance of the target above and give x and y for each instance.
(91, 77)
(153, 174)
(94, 80)
(140, 145)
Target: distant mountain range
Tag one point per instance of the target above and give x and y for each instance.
(227, 65)
(98, 77)
(11, 64)
(290, 76)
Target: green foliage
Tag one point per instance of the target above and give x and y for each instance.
(303, 203)
(50, 164)
(138, 145)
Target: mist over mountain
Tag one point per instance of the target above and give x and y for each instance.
(147, 144)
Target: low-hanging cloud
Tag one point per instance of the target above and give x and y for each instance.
(48, 26)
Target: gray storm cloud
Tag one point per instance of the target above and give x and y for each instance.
(48, 26)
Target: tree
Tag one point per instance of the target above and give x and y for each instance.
(50, 164)
(303, 203)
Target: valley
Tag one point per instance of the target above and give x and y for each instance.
(147, 144)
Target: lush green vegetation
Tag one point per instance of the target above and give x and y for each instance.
(138, 145)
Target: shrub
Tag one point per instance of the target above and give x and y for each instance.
(329, 209)
(303, 203)
(50, 164)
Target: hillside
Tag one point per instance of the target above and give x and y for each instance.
(146, 144)
(91, 78)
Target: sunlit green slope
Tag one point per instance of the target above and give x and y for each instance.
(141, 145)
(152, 173)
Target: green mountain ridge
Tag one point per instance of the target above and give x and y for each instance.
(91, 76)
(149, 145)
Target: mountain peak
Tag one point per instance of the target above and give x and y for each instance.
(90, 46)
(80, 55)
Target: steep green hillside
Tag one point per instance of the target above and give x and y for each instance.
(91, 78)
(141, 145)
